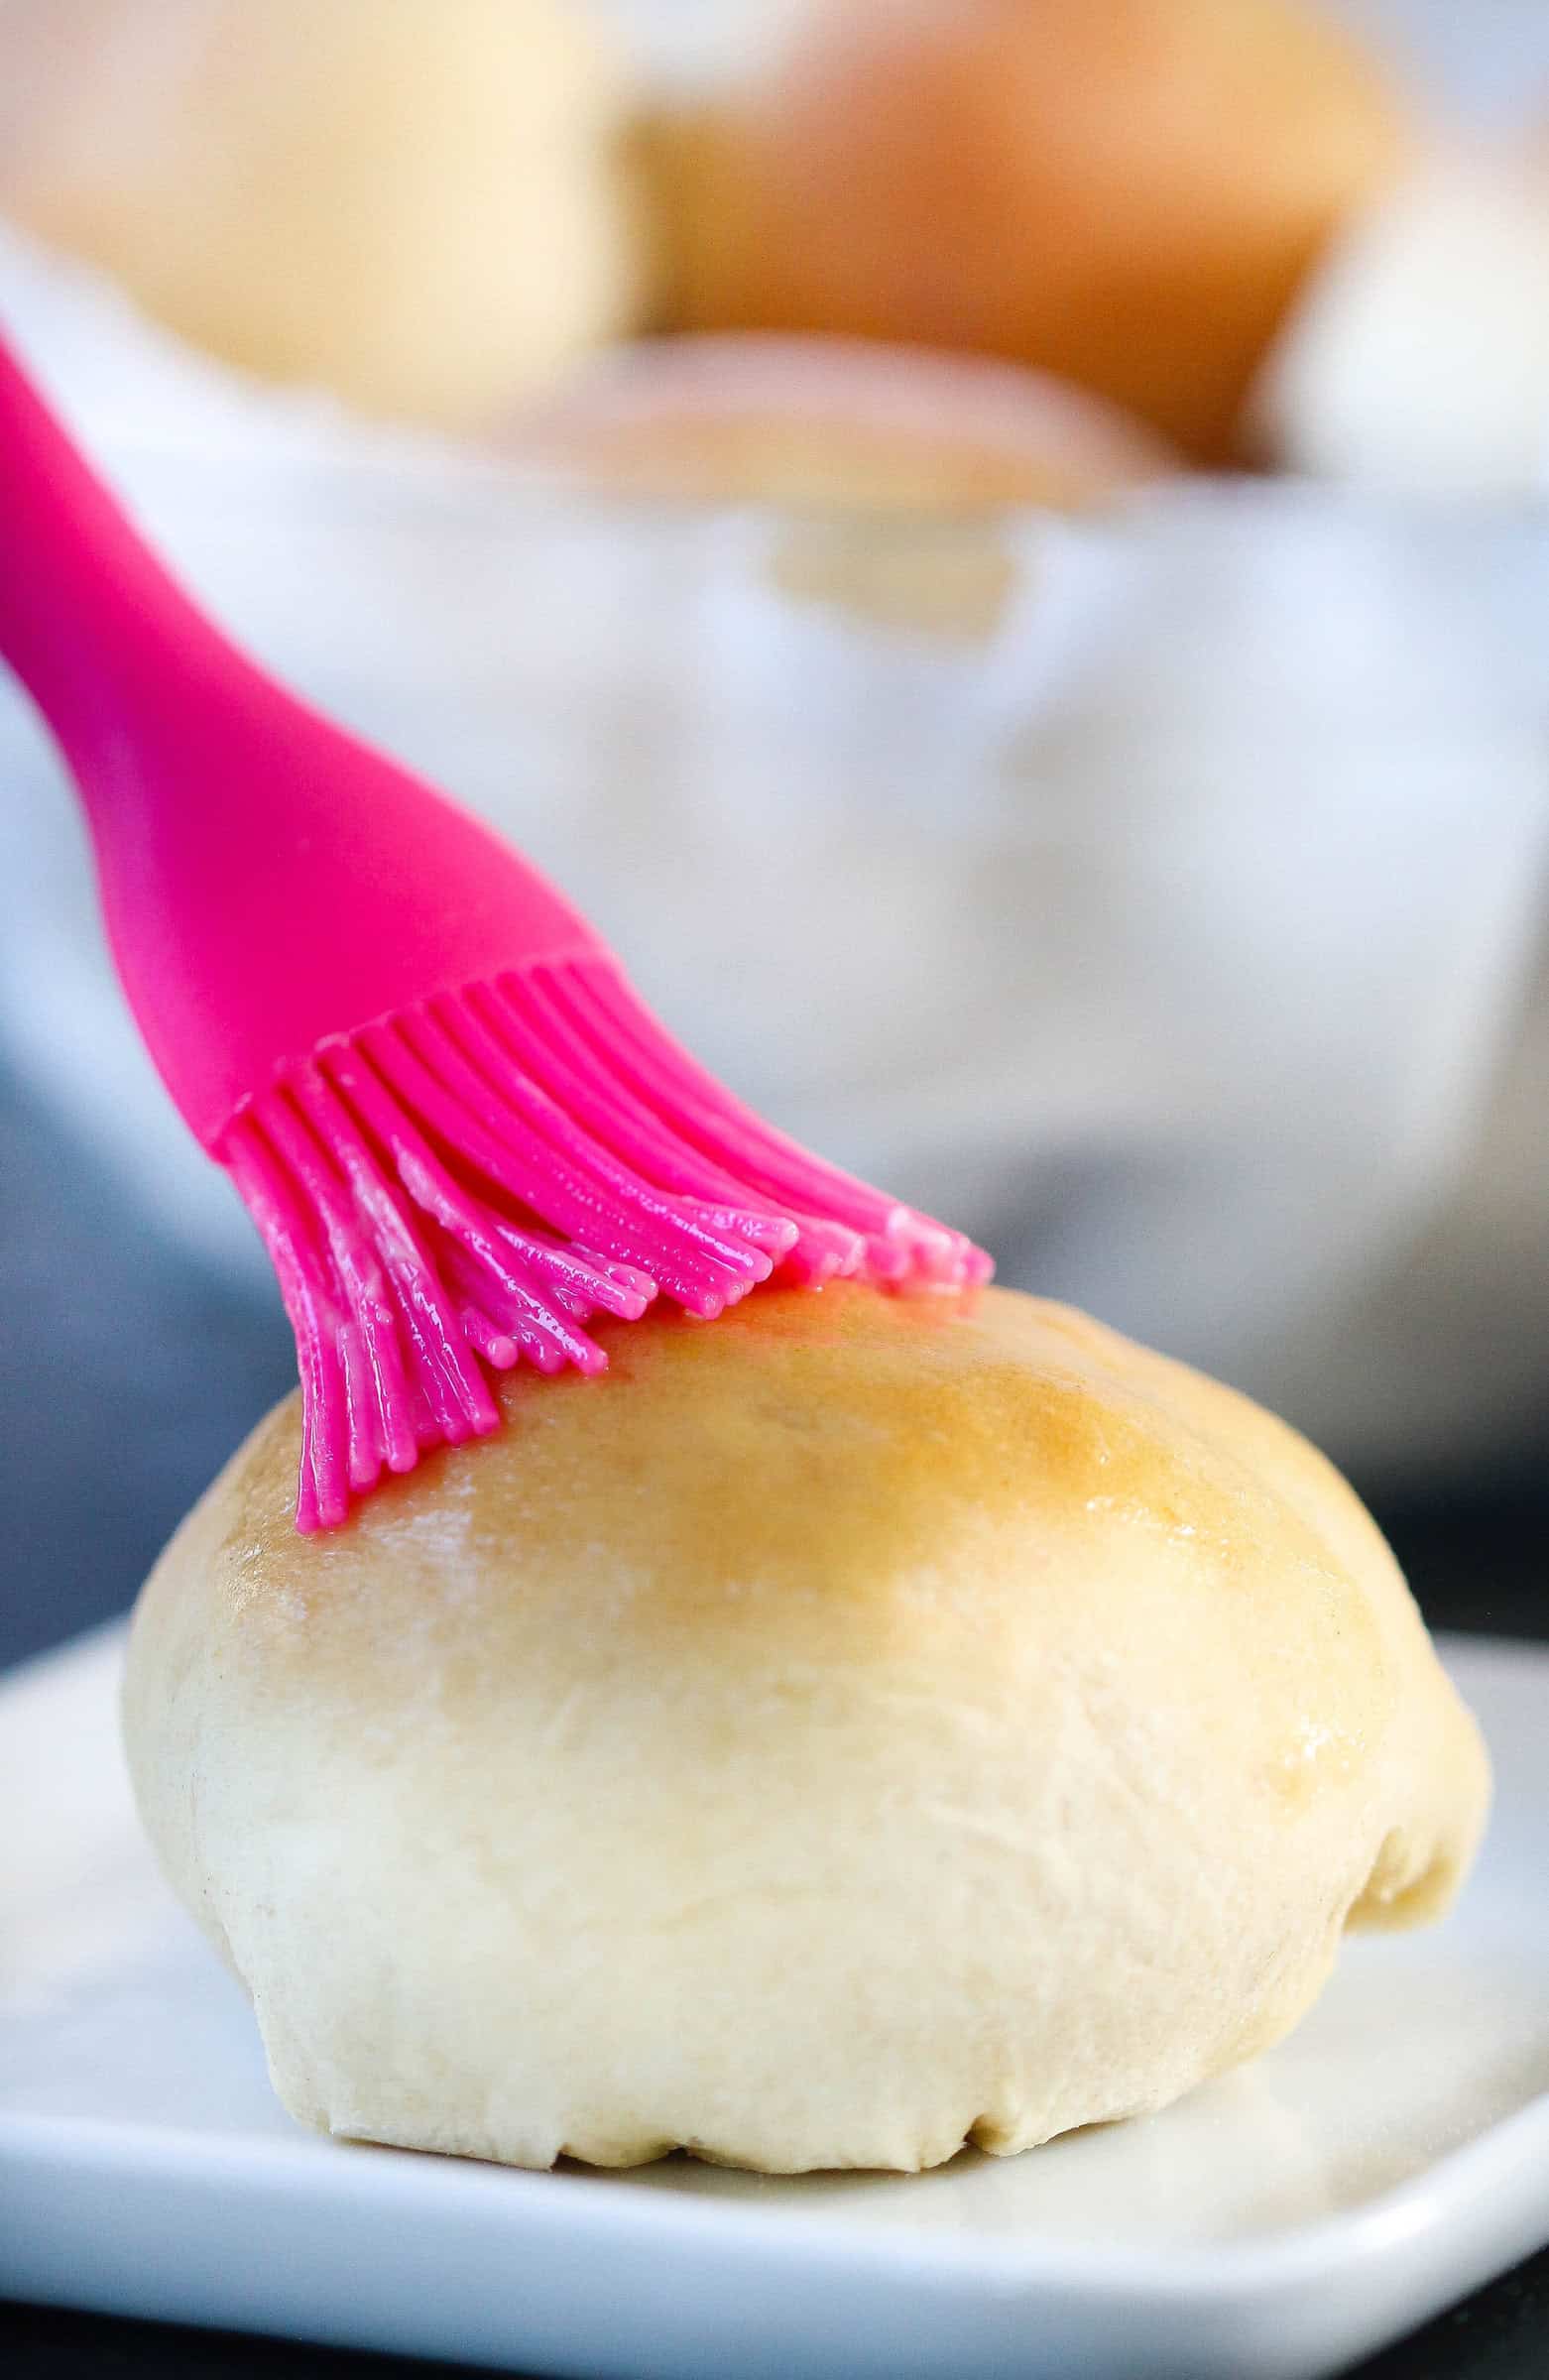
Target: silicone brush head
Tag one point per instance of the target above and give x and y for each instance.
(467, 1183)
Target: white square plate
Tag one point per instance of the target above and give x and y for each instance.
(1394, 2154)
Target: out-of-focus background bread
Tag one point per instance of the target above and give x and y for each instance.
(435, 213)
(1127, 193)
(427, 209)
(1417, 355)
(837, 424)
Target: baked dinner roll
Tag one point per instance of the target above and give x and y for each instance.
(1126, 192)
(848, 1728)
(1417, 357)
(429, 210)
(837, 425)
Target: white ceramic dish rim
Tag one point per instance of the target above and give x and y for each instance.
(1450, 2203)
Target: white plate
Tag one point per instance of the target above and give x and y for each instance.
(1391, 2156)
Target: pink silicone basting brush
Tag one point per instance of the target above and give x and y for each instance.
(458, 1131)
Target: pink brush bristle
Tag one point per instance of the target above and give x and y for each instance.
(467, 1184)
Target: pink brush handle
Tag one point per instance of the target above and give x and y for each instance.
(266, 879)
(83, 603)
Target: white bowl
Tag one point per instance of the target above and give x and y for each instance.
(1151, 893)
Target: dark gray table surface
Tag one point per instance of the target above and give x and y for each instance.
(126, 1377)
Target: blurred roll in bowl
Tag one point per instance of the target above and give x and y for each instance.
(1147, 883)
(839, 424)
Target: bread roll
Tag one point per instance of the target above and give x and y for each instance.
(425, 210)
(845, 1730)
(1416, 359)
(843, 425)
(1126, 194)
